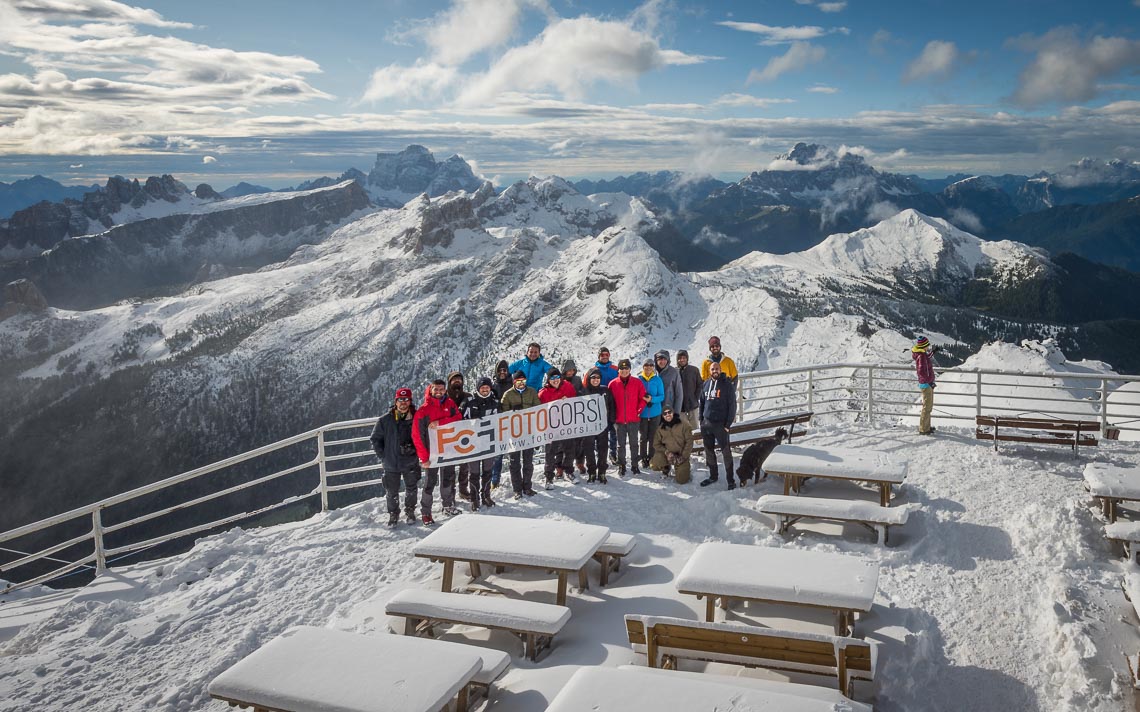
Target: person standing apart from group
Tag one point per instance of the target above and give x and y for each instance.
(922, 353)
(691, 383)
(651, 414)
(392, 442)
(630, 400)
(718, 409)
(437, 408)
(519, 397)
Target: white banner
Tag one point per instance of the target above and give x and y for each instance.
(516, 430)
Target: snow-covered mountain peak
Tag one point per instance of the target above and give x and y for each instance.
(399, 176)
(548, 204)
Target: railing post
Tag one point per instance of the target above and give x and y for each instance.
(978, 395)
(870, 395)
(323, 470)
(811, 387)
(739, 401)
(1104, 409)
(97, 535)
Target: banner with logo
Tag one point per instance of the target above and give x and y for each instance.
(516, 430)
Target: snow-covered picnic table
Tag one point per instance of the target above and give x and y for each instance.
(1112, 484)
(838, 582)
(630, 689)
(797, 463)
(310, 669)
(543, 544)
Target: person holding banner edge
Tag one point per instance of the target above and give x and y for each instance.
(595, 446)
(437, 408)
(560, 453)
(480, 405)
(520, 397)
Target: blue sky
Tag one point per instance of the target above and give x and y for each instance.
(279, 92)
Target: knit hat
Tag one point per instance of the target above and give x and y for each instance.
(518, 374)
(485, 381)
(553, 372)
(921, 344)
(666, 409)
(682, 352)
(714, 340)
(624, 363)
(661, 354)
(647, 362)
(403, 393)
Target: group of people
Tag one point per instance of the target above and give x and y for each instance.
(651, 417)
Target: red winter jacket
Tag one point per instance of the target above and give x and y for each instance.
(629, 399)
(564, 390)
(923, 367)
(432, 411)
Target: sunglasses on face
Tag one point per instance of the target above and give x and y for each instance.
(402, 400)
(624, 368)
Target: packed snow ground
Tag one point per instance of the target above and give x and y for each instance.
(1000, 593)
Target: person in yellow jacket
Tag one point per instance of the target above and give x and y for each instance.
(727, 367)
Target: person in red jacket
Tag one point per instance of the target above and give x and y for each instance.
(559, 455)
(437, 408)
(921, 352)
(630, 399)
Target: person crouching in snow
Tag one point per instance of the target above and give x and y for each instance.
(672, 446)
(437, 408)
(559, 454)
(481, 404)
(921, 353)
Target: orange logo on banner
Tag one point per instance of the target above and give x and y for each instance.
(465, 439)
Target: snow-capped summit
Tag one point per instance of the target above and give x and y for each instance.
(549, 204)
(397, 177)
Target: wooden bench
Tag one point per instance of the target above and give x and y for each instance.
(535, 623)
(789, 510)
(1124, 533)
(616, 547)
(750, 431)
(1112, 484)
(665, 640)
(1060, 431)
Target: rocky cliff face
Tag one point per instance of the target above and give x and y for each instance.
(397, 177)
(158, 254)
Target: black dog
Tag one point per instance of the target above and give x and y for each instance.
(752, 461)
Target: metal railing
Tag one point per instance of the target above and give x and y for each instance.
(845, 392)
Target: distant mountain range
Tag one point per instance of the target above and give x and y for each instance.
(29, 191)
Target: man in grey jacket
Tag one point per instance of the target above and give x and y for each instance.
(671, 379)
(691, 383)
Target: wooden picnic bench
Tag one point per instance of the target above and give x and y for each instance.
(309, 669)
(1059, 431)
(789, 510)
(535, 623)
(1112, 484)
(747, 432)
(796, 464)
(664, 640)
(616, 547)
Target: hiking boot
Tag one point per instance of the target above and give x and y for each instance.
(559, 473)
(592, 478)
(667, 472)
(409, 517)
(708, 481)
(452, 511)
(549, 485)
(581, 467)
(487, 501)
(570, 477)
(427, 520)
(393, 518)
(621, 471)
(731, 485)
(602, 477)
(475, 504)
(465, 495)
(636, 470)
(518, 496)
(529, 491)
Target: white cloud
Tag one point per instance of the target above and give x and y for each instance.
(209, 159)
(881, 41)
(572, 55)
(822, 89)
(772, 35)
(420, 81)
(967, 219)
(832, 6)
(1067, 70)
(472, 26)
(936, 60)
(749, 100)
(93, 11)
(76, 165)
(873, 157)
(798, 56)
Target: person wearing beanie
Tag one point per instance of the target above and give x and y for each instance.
(459, 396)
(608, 372)
(533, 365)
(651, 414)
(718, 410)
(559, 454)
(481, 404)
(521, 396)
(574, 447)
(438, 408)
(595, 446)
(691, 389)
(673, 447)
(392, 442)
(727, 366)
(629, 400)
(503, 383)
(922, 353)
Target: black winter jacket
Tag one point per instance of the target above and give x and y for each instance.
(606, 393)
(392, 441)
(480, 407)
(718, 401)
(691, 387)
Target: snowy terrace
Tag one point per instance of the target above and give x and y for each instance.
(1000, 592)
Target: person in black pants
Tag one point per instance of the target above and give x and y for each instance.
(392, 443)
(718, 409)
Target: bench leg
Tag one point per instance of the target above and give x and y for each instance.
(583, 580)
(531, 650)
(475, 570)
(561, 598)
(787, 485)
(604, 579)
(448, 575)
(411, 625)
(841, 623)
(882, 530)
(710, 608)
(885, 494)
(461, 700)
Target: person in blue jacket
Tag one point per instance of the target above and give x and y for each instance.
(534, 366)
(651, 416)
